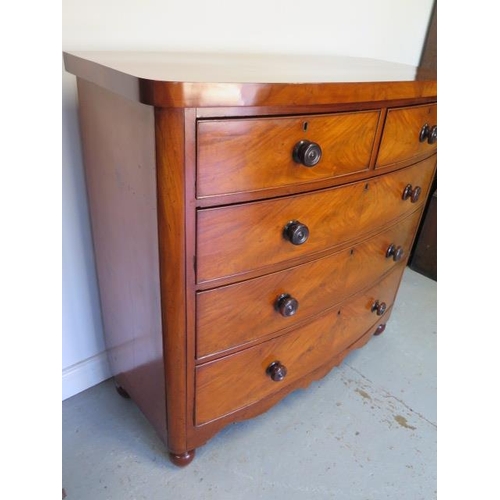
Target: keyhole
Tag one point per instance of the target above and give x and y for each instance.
(367, 186)
(304, 126)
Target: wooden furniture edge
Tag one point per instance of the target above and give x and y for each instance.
(173, 94)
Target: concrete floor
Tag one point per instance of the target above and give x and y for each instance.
(366, 431)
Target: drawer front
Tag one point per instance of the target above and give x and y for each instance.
(240, 238)
(235, 314)
(401, 137)
(253, 154)
(241, 379)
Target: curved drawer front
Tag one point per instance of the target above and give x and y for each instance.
(401, 139)
(241, 238)
(241, 379)
(252, 154)
(235, 314)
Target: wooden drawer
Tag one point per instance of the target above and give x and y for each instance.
(235, 314)
(253, 154)
(401, 137)
(241, 238)
(238, 380)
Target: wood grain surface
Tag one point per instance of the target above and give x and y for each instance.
(238, 380)
(400, 140)
(166, 79)
(254, 154)
(172, 245)
(240, 238)
(119, 156)
(237, 314)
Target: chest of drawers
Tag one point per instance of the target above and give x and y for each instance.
(251, 217)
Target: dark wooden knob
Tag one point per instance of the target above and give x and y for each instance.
(296, 232)
(397, 253)
(415, 194)
(380, 329)
(412, 192)
(424, 133)
(433, 135)
(379, 307)
(286, 305)
(276, 371)
(307, 153)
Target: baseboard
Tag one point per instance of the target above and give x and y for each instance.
(85, 374)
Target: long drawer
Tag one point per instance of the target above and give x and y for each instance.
(240, 238)
(235, 314)
(241, 379)
(252, 154)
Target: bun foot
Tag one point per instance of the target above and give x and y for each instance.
(380, 329)
(122, 392)
(182, 459)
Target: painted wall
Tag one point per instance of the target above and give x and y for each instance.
(393, 30)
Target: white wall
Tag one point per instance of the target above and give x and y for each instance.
(393, 30)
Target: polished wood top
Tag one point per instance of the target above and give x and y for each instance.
(249, 68)
(197, 79)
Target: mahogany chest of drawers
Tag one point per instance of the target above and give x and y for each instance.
(251, 216)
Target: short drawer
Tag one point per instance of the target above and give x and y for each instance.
(240, 238)
(238, 380)
(240, 155)
(409, 132)
(235, 314)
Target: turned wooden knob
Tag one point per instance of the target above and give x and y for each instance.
(433, 135)
(424, 133)
(380, 329)
(276, 371)
(296, 232)
(307, 153)
(412, 192)
(379, 307)
(397, 253)
(286, 305)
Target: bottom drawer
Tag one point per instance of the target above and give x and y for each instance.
(238, 380)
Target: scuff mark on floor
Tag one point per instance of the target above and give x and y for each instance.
(403, 422)
(364, 394)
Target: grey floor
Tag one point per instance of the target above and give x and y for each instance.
(366, 431)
